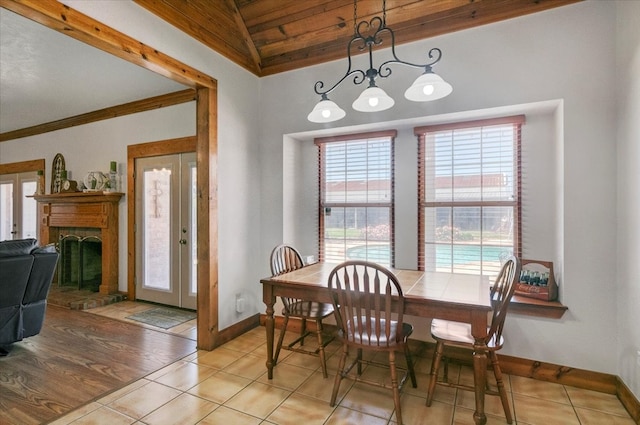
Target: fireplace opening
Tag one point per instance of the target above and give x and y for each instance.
(80, 263)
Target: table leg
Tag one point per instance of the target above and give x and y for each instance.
(480, 380)
(269, 325)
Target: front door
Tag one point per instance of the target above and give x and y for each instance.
(166, 228)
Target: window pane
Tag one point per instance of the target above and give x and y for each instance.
(469, 198)
(356, 174)
(358, 171)
(6, 211)
(358, 233)
(157, 222)
(470, 165)
(29, 210)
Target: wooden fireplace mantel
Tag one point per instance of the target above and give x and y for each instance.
(95, 210)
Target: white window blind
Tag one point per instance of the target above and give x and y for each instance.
(356, 197)
(469, 195)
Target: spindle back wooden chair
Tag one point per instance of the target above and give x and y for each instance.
(455, 334)
(284, 259)
(369, 307)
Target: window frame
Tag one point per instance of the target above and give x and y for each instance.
(321, 142)
(421, 133)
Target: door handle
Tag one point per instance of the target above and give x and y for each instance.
(182, 241)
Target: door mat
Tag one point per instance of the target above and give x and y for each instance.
(162, 317)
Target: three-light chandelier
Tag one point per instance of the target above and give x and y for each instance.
(428, 86)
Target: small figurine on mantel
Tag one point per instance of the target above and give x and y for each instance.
(95, 181)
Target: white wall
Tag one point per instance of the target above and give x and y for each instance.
(628, 122)
(550, 56)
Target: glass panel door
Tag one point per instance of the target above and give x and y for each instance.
(18, 209)
(165, 230)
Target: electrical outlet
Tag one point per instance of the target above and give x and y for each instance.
(239, 303)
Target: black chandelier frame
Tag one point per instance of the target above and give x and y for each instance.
(362, 42)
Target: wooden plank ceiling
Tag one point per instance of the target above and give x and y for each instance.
(271, 36)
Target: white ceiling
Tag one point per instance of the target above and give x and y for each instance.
(46, 76)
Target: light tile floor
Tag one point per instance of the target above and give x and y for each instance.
(229, 386)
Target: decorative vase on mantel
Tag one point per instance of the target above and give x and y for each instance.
(95, 181)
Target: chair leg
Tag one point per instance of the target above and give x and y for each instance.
(412, 372)
(323, 361)
(303, 331)
(281, 338)
(394, 386)
(501, 390)
(435, 365)
(359, 361)
(339, 374)
(445, 369)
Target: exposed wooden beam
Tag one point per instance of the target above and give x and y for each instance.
(245, 34)
(62, 18)
(211, 23)
(104, 114)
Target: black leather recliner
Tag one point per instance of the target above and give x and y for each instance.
(26, 273)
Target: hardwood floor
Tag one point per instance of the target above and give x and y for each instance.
(76, 358)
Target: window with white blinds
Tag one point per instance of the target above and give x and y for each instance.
(469, 195)
(356, 197)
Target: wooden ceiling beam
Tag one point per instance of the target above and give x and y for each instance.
(246, 37)
(211, 23)
(148, 104)
(278, 59)
(63, 19)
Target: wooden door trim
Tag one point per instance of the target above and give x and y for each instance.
(23, 167)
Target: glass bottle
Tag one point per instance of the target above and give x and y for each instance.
(113, 177)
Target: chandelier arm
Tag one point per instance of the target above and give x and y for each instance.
(359, 75)
(435, 54)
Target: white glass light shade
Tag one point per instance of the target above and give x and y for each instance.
(373, 99)
(326, 111)
(428, 86)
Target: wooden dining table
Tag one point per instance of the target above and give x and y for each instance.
(451, 296)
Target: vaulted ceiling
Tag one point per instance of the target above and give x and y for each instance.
(271, 36)
(48, 69)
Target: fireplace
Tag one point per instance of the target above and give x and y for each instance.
(90, 218)
(80, 263)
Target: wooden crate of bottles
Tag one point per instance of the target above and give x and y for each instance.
(537, 280)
